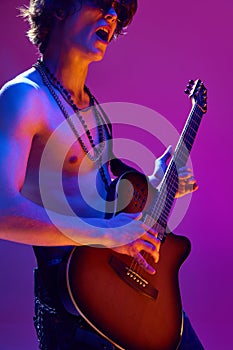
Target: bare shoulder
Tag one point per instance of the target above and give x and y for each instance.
(22, 100)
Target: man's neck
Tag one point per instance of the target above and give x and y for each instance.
(71, 71)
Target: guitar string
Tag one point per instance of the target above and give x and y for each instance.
(170, 179)
(179, 152)
(149, 222)
(180, 148)
(188, 135)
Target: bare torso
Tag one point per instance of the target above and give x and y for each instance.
(57, 168)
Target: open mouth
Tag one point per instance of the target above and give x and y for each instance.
(103, 34)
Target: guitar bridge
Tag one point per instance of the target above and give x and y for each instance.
(132, 278)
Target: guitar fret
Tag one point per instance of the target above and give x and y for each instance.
(163, 203)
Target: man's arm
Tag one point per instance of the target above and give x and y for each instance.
(23, 221)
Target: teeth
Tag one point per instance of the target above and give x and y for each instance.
(104, 29)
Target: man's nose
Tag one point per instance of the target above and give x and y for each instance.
(111, 15)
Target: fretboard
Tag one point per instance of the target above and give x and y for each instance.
(162, 205)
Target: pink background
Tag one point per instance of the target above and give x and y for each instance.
(168, 43)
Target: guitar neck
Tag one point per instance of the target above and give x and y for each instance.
(186, 140)
(162, 205)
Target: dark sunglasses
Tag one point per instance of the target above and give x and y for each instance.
(124, 13)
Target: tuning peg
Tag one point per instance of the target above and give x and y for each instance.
(191, 82)
(190, 85)
(187, 91)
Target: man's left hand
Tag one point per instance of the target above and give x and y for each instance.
(187, 182)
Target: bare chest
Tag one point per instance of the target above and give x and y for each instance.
(63, 161)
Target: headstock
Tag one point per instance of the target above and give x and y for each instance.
(198, 93)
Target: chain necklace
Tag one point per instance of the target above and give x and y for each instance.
(51, 81)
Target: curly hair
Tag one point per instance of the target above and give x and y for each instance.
(40, 15)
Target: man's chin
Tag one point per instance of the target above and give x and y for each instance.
(99, 54)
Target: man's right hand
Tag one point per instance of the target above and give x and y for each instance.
(133, 237)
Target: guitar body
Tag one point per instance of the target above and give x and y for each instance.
(134, 310)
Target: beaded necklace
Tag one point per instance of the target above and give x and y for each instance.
(51, 81)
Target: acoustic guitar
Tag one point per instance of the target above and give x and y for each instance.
(123, 303)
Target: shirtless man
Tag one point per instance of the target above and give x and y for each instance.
(70, 35)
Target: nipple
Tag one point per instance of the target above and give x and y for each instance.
(73, 159)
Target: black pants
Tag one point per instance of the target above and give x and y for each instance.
(58, 330)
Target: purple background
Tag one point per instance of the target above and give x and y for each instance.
(168, 43)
